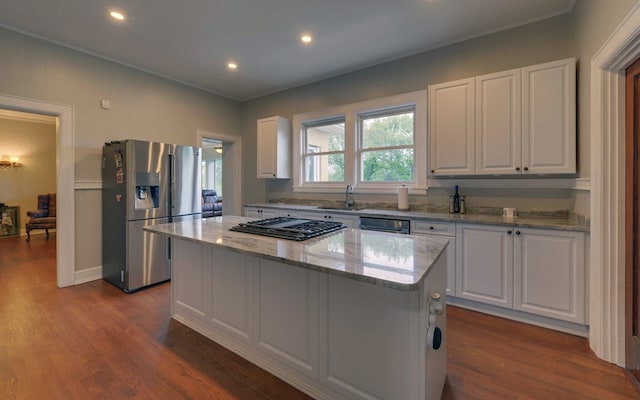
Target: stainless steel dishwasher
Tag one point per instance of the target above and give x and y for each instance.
(392, 225)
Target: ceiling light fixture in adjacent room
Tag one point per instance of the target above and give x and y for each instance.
(117, 15)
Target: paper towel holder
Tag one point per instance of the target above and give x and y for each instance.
(403, 198)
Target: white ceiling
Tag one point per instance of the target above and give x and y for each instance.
(191, 41)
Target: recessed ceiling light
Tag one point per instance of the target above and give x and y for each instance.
(306, 38)
(117, 15)
(232, 66)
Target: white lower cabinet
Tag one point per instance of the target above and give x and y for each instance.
(549, 273)
(259, 213)
(485, 264)
(539, 271)
(442, 230)
(349, 221)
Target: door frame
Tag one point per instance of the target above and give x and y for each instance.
(607, 254)
(632, 344)
(65, 177)
(232, 147)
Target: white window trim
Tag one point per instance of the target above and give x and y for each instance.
(350, 113)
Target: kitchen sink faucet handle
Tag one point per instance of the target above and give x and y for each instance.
(348, 200)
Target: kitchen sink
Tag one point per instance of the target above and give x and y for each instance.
(353, 208)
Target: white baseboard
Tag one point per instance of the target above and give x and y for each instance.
(544, 322)
(88, 275)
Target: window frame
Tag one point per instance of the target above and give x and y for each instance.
(305, 153)
(352, 115)
(360, 149)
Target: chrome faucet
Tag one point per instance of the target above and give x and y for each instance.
(348, 200)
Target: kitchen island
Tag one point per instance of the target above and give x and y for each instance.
(348, 315)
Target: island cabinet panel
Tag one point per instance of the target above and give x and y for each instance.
(230, 291)
(286, 317)
(367, 339)
(188, 285)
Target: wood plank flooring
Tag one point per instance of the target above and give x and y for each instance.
(93, 341)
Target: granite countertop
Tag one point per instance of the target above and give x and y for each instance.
(394, 261)
(529, 221)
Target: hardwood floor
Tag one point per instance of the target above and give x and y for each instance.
(93, 341)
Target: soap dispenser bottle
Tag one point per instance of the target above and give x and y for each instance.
(456, 201)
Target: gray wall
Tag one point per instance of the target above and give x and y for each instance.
(535, 43)
(594, 21)
(143, 106)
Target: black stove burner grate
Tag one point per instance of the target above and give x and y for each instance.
(289, 228)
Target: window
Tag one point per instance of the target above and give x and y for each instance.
(212, 175)
(387, 146)
(324, 156)
(376, 145)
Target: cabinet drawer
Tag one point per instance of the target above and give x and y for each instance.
(434, 228)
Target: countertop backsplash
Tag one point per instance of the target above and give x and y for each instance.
(442, 209)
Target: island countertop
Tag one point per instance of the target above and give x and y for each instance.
(385, 259)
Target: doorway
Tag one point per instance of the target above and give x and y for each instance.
(226, 171)
(65, 224)
(27, 166)
(632, 222)
(212, 173)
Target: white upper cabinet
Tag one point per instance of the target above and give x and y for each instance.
(451, 127)
(274, 148)
(520, 121)
(498, 134)
(549, 118)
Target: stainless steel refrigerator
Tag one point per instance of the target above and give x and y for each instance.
(144, 183)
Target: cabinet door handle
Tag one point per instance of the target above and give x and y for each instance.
(433, 171)
(517, 168)
(517, 232)
(509, 232)
(526, 168)
(431, 228)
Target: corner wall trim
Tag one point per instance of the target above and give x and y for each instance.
(88, 185)
(607, 266)
(88, 275)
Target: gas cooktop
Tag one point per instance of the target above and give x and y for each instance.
(289, 228)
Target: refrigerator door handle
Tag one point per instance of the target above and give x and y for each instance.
(172, 186)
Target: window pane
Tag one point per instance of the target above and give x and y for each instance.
(324, 168)
(388, 130)
(327, 137)
(387, 165)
